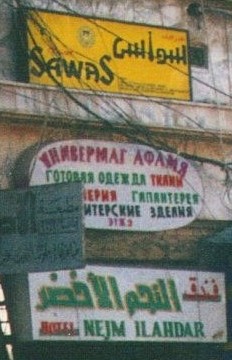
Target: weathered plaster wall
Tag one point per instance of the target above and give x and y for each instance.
(33, 101)
(39, 106)
(102, 245)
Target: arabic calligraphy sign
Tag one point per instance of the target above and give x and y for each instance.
(110, 56)
(121, 304)
(41, 228)
(126, 186)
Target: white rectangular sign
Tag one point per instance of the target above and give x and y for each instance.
(128, 304)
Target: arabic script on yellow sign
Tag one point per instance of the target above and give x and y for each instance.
(109, 56)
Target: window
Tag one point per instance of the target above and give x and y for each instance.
(198, 56)
(5, 328)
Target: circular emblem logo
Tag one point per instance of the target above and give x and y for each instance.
(86, 36)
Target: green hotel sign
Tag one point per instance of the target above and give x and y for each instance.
(102, 303)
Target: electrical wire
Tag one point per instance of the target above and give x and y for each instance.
(129, 121)
(151, 100)
(118, 110)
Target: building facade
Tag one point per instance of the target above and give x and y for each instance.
(186, 119)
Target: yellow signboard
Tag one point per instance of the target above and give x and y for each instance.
(107, 56)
